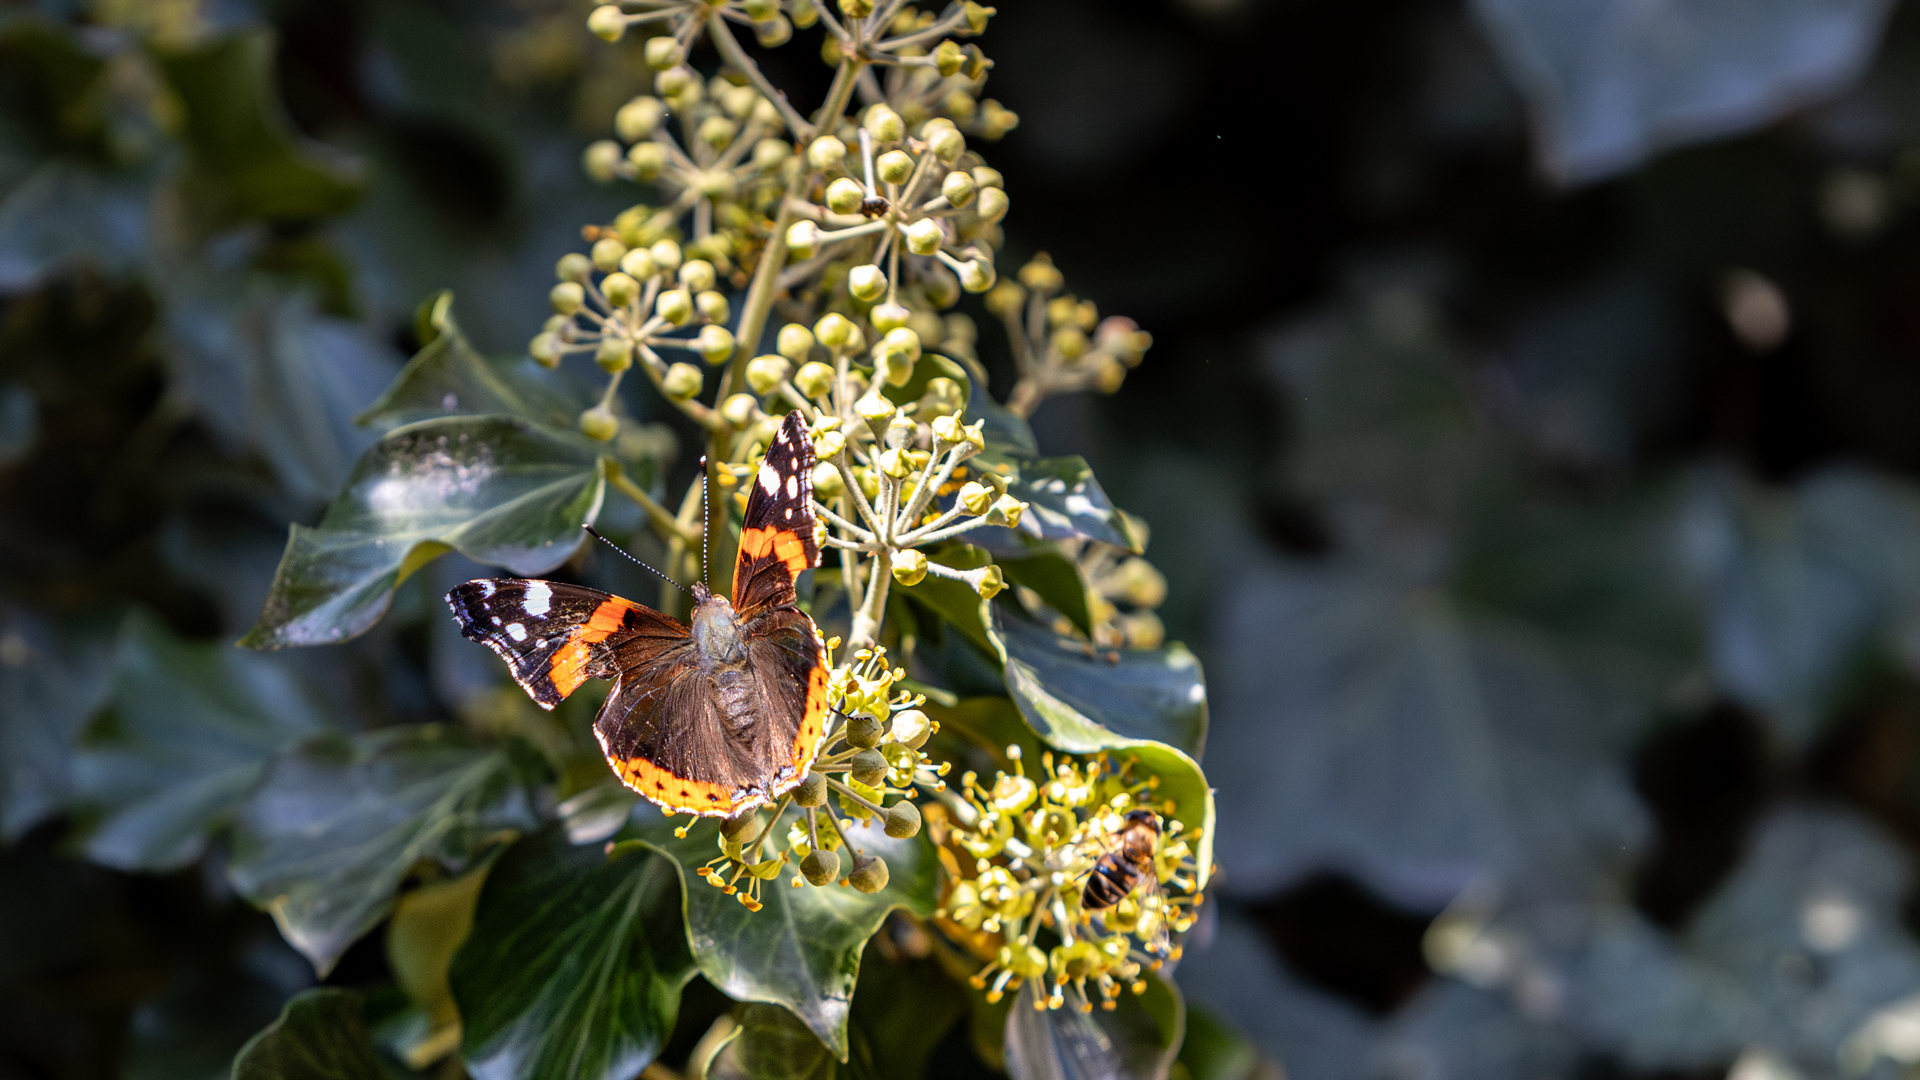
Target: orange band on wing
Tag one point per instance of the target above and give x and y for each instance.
(677, 792)
(813, 723)
(784, 544)
(568, 668)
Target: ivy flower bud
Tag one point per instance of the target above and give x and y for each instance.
(975, 497)
(739, 828)
(894, 166)
(987, 178)
(845, 195)
(909, 567)
(666, 254)
(977, 16)
(567, 297)
(665, 52)
(814, 379)
(856, 9)
(715, 344)
(683, 381)
(738, 101)
(607, 22)
(900, 340)
(606, 253)
(1006, 511)
(739, 410)
(1070, 342)
(697, 275)
(895, 463)
(977, 276)
(884, 123)
(712, 306)
(716, 131)
(803, 239)
(826, 481)
(947, 429)
(572, 266)
(794, 342)
(773, 33)
(947, 144)
(923, 237)
(620, 289)
(770, 152)
(869, 873)
(947, 57)
(601, 160)
(675, 306)
(648, 159)
(614, 354)
(864, 731)
(903, 820)
(869, 768)
(990, 582)
(599, 424)
(804, 15)
(958, 187)
(867, 282)
(834, 330)
(545, 349)
(821, 867)
(766, 373)
(887, 317)
(993, 204)
(638, 264)
(911, 726)
(811, 791)
(873, 407)
(826, 153)
(638, 118)
(828, 444)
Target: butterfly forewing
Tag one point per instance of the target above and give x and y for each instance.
(555, 636)
(777, 544)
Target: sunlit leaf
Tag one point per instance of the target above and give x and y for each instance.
(772, 1044)
(449, 377)
(1063, 498)
(188, 737)
(1081, 697)
(1056, 579)
(956, 602)
(321, 1035)
(1136, 1041)
(426, 928)
(335, 827)
(575, 963)
(497, 490)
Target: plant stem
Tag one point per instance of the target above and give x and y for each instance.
(662, 521)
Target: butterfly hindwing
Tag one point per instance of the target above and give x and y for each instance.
(556, 636)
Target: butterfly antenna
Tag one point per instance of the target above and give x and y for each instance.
(591, 531)
(706, 511)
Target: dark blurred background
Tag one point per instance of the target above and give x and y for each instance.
(1529, 441)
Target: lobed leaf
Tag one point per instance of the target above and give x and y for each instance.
(1063, 498)
(337, 825)
(1057, 581)
(448, 376)
(496, 489)
(321, 1035)
(44, 704)
(575, 963)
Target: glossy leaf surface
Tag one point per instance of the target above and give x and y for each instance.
(321, 1035)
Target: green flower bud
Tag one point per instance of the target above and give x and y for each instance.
(975, 498)
(814, 380)
(740, 828)
(941, 286)
(885, 317)
(911, 727)
(715, 343)
(712, 306)
(1042, 276)
(894, 166)
(924, 237)
(976, 275)
(737, 101)
(903, 820)
(599, 424)
(620, 289)
(834, 330)
(993, 204)
(638, 264)
(567, 297)
(867, 282)
(675, 306)
(739, 410)
(794, 342)
(811, 791)
(683, 381)
(996, 119)
(648, 159)
(607, 252)
(766, 373)
(614, 354)
(884, 123)
(958, 187)
(666, 255)
(770, 152)
(845, 195)
(977, 16)
(1006, 511)
(900, 340)
(947, 58)
(545, 349)
(826, 481)
(607, 22)
(856, 9)
(825, 153)
(909, 567)
(1070, 342)
(697, 274)
(864, 731)
(717, 131)
(990, 582)
(947, 430)
(869, 872)
(773, 33)
(638, 118)
(573, 266)
(804, 16)
(665, 52)
(803, 239)
(895, 463)
(986, 178)
(947, 144)
(874, 408)
(821, 867)
(601, 160)
(869, 767)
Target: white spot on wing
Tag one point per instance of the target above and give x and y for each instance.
(769, 480)
(486, 589)
(793, 487)
(539, 598)
(516, 631)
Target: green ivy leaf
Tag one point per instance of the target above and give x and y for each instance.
(246, 162)
(335, 827)
(427, 927)
(321, 1035)
(1003, 430)
(802, 948)
(1136, 1041)
(1056, 579)
(956, 601)
(187, 739)
(44, 704)
(448, 376)
(575, 963)
(497, 490)
(772, 1044)
(1063, 498)
(930, 366)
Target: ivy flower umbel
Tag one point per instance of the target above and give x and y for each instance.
(1060, 343)
(871, 752)
(1018, 854)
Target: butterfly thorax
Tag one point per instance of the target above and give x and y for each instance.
(716, 632)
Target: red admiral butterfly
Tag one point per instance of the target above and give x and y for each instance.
(711, 719)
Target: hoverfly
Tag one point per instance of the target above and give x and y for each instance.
(1126, 865)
